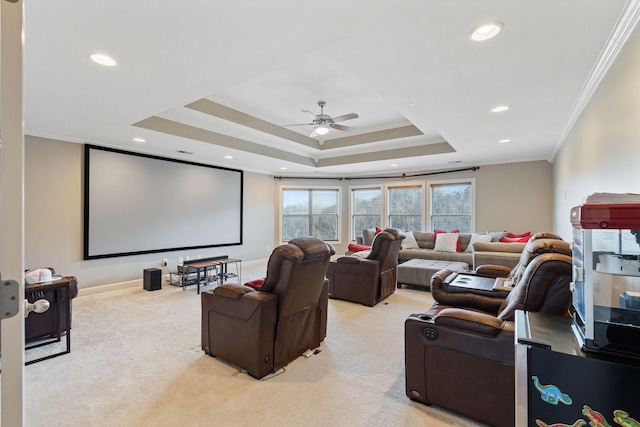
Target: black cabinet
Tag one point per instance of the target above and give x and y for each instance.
(557, 383)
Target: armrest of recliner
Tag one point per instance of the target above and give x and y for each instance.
(492, 270)
(349, 260)
(232, 290)
(469, 320)
(237, 301)
(467, 330)
(443, 293)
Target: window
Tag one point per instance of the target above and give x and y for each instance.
(405, 206)
(310, 212)
(452, 205)
(366, 209)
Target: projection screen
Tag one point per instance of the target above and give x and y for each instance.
(137, 204)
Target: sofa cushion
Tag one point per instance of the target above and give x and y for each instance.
(368, 235)
(409, 241)
(407, 254)
(477, 237)
(497, 235)
(447, 242)
(426, 240)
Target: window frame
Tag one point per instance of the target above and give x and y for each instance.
(352, 232)
(456, 181)
(408, 184)
(311, 188)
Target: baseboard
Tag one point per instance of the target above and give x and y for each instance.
(138, 282)
(110, 287)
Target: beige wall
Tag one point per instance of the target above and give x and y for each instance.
(54, 212)
(54, 227)
(516, 197)
(602, 151)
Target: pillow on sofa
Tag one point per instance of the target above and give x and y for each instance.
(409, 241)
(447, 242)
(354, 247)
(255, 284)
(476, 237)
(361, 254)
(515, 239)
(525, 234)
(438, 232)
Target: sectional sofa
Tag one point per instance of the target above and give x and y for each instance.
(469, 248)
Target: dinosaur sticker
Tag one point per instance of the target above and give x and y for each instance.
(596, 419)
(622, 418)
(550, 393)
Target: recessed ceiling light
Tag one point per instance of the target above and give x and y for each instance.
(283, 169)
(228, 157)
(485, 32)
(393, 165)
(504, 141)
(499, 108)
(138, 139)
(101, 59)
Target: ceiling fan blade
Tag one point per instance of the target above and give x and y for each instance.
(345, 117)
(313, 116)
(341, 127)
(299, 124)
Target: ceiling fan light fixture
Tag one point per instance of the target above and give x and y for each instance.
(322, 129)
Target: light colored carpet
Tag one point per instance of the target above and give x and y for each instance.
(136, 361)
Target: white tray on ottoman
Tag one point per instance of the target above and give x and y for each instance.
(419, 271)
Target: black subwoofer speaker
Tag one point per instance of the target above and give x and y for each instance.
(152, 279)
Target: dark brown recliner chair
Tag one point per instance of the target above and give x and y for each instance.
(459, 355)
(367, 280)
(262, 331)
(39, 325)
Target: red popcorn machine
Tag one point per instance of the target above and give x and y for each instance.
(606, 274)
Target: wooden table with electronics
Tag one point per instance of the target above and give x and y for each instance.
(219, 263)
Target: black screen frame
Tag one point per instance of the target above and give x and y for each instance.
(87, 206)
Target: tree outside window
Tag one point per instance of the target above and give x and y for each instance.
(366, 209)
(405, 207)
(452, 206)
(310, 212)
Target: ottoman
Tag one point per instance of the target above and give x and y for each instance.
(419, 271)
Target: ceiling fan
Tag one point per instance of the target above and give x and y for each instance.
(322, 123)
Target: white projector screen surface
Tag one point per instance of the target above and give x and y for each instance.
(136, 204)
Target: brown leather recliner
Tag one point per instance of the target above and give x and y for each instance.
(367, 280)
(459, 355)
(262, 331)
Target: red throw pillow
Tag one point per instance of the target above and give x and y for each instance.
(525, 234)
(378, 229)
(354, 247)
(514, 239)
(255, 284)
